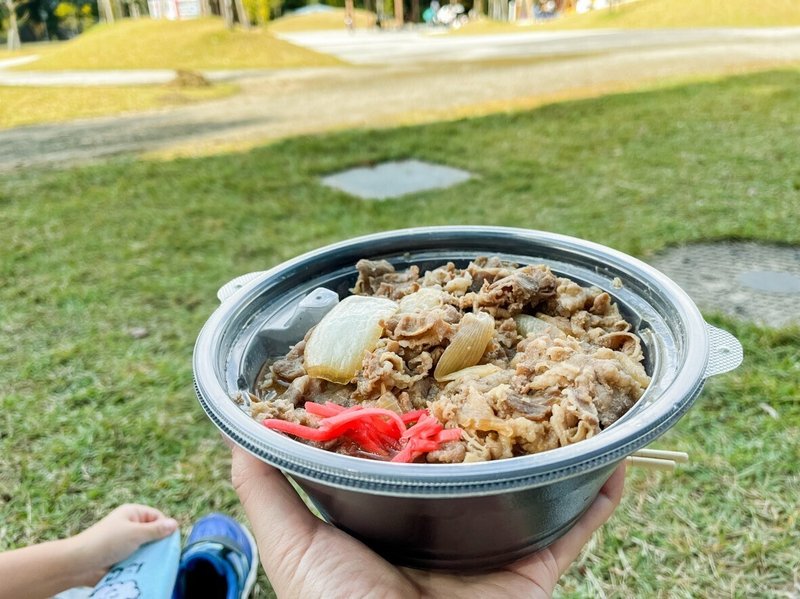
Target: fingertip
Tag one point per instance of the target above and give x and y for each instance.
(158, 529)
(169, 525)
(144, 513)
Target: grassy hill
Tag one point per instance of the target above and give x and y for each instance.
(690, 13)
(654, 14)
(321, 21)
(198, 44)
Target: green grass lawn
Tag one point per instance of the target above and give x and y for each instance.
(93, 413)
(655, 14)
(161, 44)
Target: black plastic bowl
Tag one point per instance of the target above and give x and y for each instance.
(458, 516)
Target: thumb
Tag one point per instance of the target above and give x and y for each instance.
(157, 529)
(280, 521)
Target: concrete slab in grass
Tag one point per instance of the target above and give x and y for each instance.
(748, 280)
(395, 179)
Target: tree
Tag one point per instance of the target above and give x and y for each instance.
(226, 10)
(257, 11)
(234, 10)
(241, 14)
(13, 26)
(105, 10)
(349, 16)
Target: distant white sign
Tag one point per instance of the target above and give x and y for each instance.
(174, 10)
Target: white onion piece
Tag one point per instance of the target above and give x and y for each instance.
(336, 347)
(469, 343)
(426, 298)
(478, 372)
(527, 325)
(387, 401)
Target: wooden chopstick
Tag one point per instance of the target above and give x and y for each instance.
(651, 463)
(657, 459)
(661, 454)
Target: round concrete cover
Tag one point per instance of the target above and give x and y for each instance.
(748, 280)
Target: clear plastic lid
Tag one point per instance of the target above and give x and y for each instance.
(259, 317)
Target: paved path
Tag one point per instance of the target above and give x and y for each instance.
(405, 47)
(111, 77)
(284, 103)
(15, 62)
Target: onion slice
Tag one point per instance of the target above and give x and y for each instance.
(477, 372)
(530, 325)
(422, 300)
(336, 347)
(469, 343)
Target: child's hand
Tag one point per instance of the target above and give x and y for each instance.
(117, 536)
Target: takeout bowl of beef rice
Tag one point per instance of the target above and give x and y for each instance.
(471, 515)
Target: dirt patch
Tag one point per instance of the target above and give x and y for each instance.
(190, 79)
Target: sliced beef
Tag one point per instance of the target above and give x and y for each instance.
(379, 278)
(511, 294)
(557, 386)
(419, 330)
(487, 270)
(290, 366)
(304, 388)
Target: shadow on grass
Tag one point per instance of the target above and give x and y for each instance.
(79, 140)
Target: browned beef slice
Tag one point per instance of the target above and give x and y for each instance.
(303, 389)
(418, 330)
(533, 408)
(290, 366)
(449, 453)
(378, 278)
(487, 269)
(528, 285)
